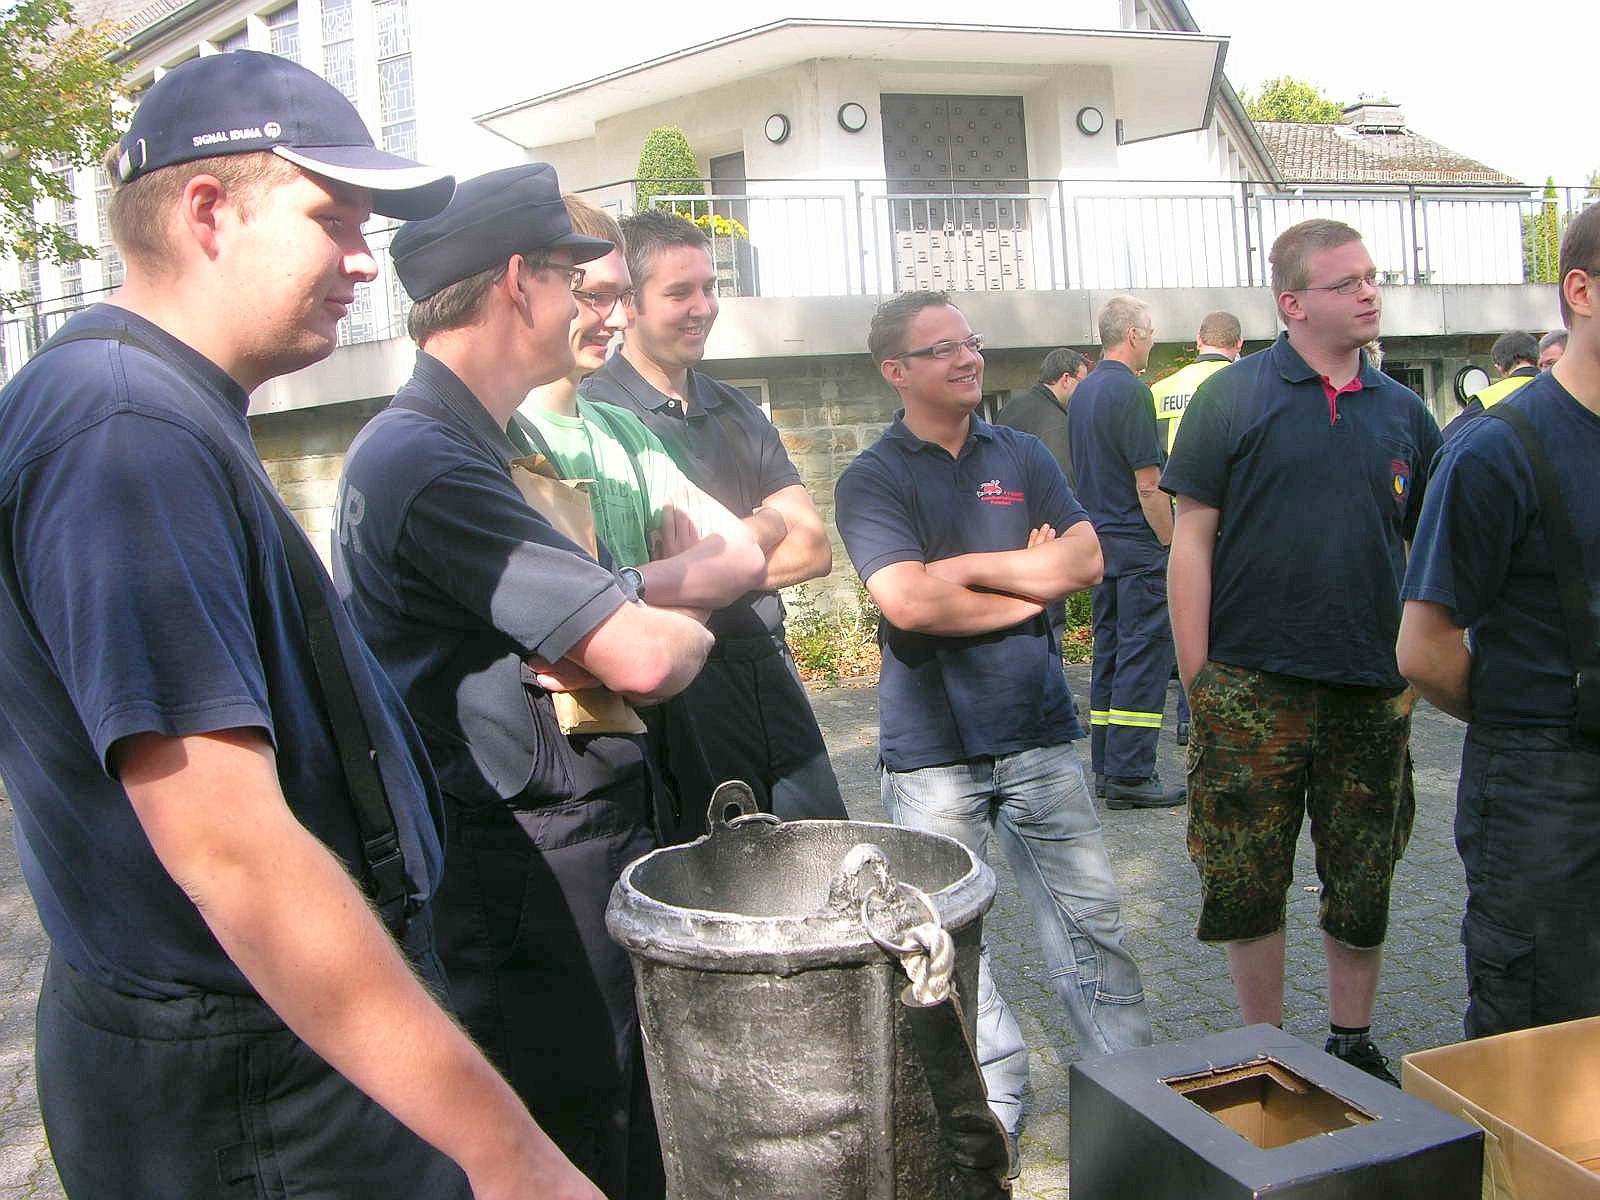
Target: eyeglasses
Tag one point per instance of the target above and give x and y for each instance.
(945, 349)
(605, 303)
(1345, 287)
(574, 274)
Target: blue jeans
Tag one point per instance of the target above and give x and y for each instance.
(1039, 804)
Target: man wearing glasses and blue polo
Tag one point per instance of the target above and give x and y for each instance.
(965, 533)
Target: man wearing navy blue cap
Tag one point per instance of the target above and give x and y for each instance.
(199, 749)
(481, 611)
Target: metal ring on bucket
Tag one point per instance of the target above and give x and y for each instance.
(899, 949)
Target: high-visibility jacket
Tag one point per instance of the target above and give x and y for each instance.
(1500, 389)
(1172, 393)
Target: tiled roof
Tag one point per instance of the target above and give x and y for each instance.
(130, 16)
(1309, 153)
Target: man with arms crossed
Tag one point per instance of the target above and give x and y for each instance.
(1530, 779)
(750, 712)
(678, 546)
(964, 532)
(1117, 459)
(222, 1013)
(479, 609)
(1299, 472)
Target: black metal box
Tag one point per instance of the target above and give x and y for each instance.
(1257, 1112)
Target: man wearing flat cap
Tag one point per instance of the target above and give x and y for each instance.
(482, 612)
(207, 766)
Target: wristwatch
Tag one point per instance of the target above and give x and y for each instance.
(633, 580)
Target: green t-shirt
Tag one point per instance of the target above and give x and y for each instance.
(634, 477)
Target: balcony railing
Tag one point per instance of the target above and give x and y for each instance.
(845, 237)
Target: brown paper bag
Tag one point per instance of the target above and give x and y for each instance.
(565, 504)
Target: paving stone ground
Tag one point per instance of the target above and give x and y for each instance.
(1419, 1004)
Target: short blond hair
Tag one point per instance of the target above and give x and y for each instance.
(593, 222)
(1291, 253)
(141, 210)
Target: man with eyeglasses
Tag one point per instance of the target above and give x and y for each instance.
(480, 610)
(1485, 562)
(1299, 474)
(678, 547)
(964, 533)
(751, 718)
(1116, 457)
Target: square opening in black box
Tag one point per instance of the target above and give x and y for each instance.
(1266, 1103)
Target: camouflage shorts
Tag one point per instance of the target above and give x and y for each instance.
(1265, 748)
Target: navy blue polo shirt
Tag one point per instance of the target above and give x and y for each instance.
(1318, 497)
(949, 699)
(1112, 422)
(1481, 552)
(144, 588)
(454, 580)
(726, 447)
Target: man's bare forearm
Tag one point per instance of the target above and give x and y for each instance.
(1189, 587)
(710, 574)
(1157, 514)
(288, 915)
(912, 600)
(1433, 656)
(1045, 572)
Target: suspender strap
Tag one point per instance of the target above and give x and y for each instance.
(1577, 613)
(383, 874)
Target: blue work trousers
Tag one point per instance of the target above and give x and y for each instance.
(1528, 830)
(1132, 664)
(1038, 803)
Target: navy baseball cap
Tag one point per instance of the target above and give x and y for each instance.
(246, 100)
(516, 210)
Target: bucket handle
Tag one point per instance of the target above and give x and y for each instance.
(736, 793)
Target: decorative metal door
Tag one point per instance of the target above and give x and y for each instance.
(947, 148)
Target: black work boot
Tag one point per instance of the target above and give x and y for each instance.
(1099, 787)
(1142, 793)
(1183, 733)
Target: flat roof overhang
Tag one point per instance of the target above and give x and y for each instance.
(1165, 83)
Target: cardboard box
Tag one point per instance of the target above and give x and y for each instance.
(1537, 1094)
(1257, 1112)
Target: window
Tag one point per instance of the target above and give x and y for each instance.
(71, 286)
(357, 325)
(239, 39)
(756, 389)
(283, 32)
(110, 261)
(67, 210)
(397, 105)
(339, 47)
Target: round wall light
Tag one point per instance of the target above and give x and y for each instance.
(777, 128)
(1470, 380)
(1090, 120)
(852, 117)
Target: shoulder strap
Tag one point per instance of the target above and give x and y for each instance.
(526, 436)
(384, 874)
(599, 411)
(1577, 614)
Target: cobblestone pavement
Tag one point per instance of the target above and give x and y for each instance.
(1419, 1004)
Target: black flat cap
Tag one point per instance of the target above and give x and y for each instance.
(517, 210)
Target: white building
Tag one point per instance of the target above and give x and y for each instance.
(1031, 169)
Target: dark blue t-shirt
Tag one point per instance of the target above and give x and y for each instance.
(454, 580)
(1112, 422)
(948, 699)
(726, 447)
(144, 588)
(1317, 500)
(1480, 551)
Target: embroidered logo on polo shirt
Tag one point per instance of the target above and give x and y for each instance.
(992, 493)
(1399, 480)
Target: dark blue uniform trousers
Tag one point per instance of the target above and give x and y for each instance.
(1528, 830)
(211, 1097)
(1132, 663)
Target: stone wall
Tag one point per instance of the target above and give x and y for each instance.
(303, 452)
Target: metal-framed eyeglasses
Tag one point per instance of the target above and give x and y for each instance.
(1348, 286)
(948, 348)
(574, 274)
(605, 303)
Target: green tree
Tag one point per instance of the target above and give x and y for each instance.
(1289, 99)
(667, 167)
(58, 95)
(1541, 237)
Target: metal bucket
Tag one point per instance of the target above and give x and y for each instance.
(782, 1061)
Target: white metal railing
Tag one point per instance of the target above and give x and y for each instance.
(873, 237)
